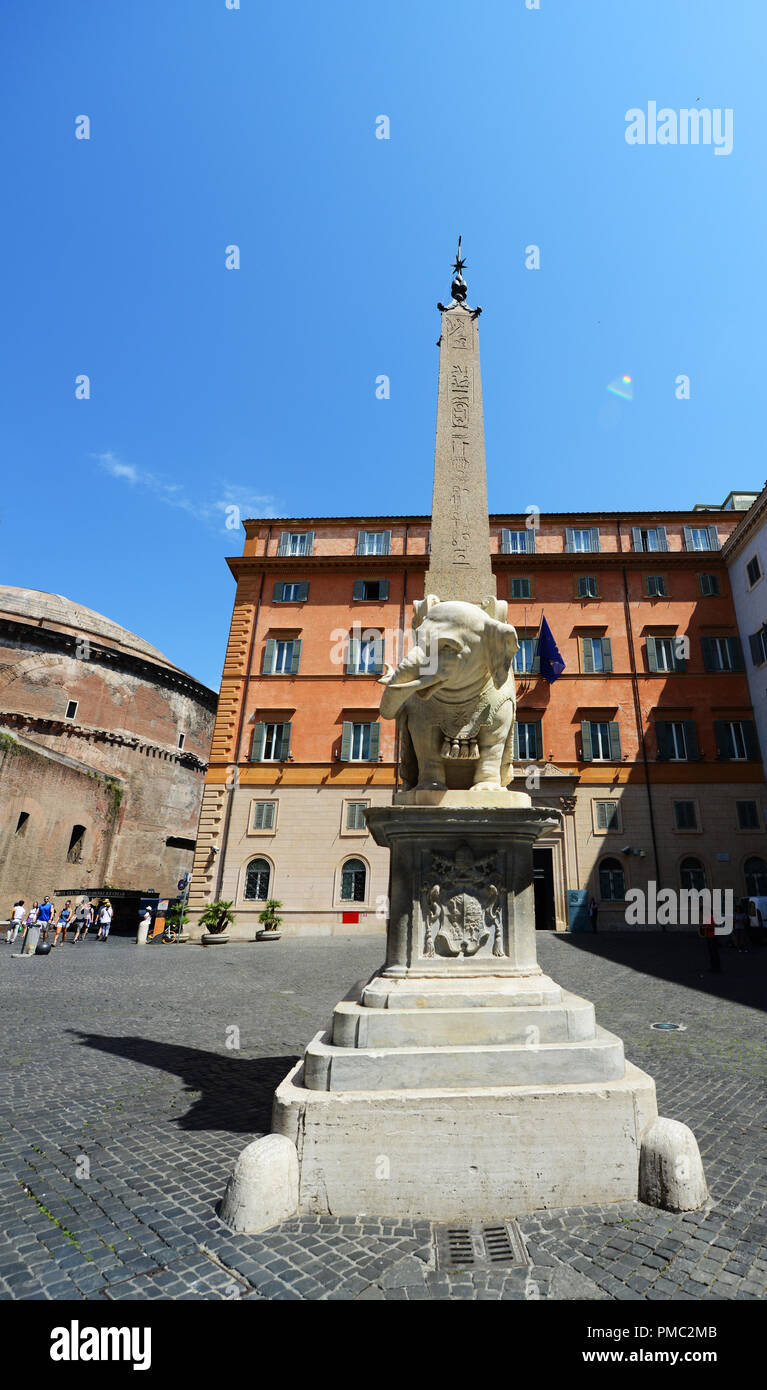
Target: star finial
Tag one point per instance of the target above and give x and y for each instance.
(459, 263)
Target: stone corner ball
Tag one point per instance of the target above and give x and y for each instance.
(454, 697)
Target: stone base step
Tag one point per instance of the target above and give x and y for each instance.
(357, 1027)
(488, 991)
(329, 1068)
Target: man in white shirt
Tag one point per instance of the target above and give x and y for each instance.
(17, 917)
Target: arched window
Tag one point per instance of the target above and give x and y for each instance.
(257, 880)
(353, 876)
(693, 874)
(612, 885)
(76, 844)
(756, 877)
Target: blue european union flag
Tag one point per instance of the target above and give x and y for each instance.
(551, 663)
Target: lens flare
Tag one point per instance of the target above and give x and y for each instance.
(622, 386)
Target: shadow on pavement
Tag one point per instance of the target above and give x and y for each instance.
(682, 957)
(231, 1093)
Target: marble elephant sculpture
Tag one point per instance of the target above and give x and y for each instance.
(453, 696)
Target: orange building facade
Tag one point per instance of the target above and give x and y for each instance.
(645, 747)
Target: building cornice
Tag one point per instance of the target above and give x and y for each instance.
(741, 536)
(252, 525)
(19, 719)
(244, 566)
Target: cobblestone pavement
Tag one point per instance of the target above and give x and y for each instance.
(122, 1110)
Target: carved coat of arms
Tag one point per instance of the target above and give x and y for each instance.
(463, 904)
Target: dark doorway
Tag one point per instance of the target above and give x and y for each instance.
(543, 883)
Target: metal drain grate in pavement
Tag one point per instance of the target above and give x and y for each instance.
(475, 1247)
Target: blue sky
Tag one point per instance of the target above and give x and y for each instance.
(256, 387)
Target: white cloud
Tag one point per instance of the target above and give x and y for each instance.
(249, 503)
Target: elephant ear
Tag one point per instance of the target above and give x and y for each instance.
(421, 607)
(496, 608)
(500, 642)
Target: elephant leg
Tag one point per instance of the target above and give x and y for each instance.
(427, 742)
(492, 744)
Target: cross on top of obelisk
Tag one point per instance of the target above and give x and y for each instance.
(459, 560)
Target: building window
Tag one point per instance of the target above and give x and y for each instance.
(606, 815)
(373, 542)
(685, 815)
(370, 590)
(291, 591)
(753, 571)
(601, 740)
(709, 584)
(76, 844)
(677, 739)
(365, 655)
(692, 875)
(528, 740)
(353, 877)
(701, 538)
(583, 539)
(517, 542)
(181, 741)
(71, 709)
(758, 644)
(651, 538)
(612, 884)
(282, 656)
(271, 743)
(756, 877)
(264, 813)
(526, 656)
(586, 585)
(736, 740)
(355, 815)
(655, 586)
(664, 654)
(596, 655)
(748, 815)
(360, 742)
(520, 588)
(22, 822)
(722, 653)
(257, 880)
(296, 543)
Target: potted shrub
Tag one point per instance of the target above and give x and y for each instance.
(216, 918)
(176, 919)
(272, 923)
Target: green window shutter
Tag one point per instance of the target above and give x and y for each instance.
(284, 546)
(713, 538)
(346, 741)
(607, 654)
(257, 743)
(505, 540)
(636, 532)
(303, 591)
(755, 643)
(662, 538)
(359, 590)
(258, 817)
(709, 654)
(387, 543)
(530, 540)
(691, 738)
(353, 656)
(270, 656)
(602, 815)
(284, 743)
(586, 736)
(277, 592)
(536, 666)
(538, 739)
(663, 738)
(736, 653)
(361, 542)
(569, 538)
(594, 541)
(680, 662)
(375, 741)
(615, 740)
(384, 589)
(723, 737)
(588, 655)
(652, 655)
(296, 656)
(688, 538)
(515, 743)
(309, 543)
(753, 752)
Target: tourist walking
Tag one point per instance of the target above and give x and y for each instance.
(44, 915)
(16, 919)
(64, 922)
(83, 919)
(593, 911)
(707, 930)
(104, 919)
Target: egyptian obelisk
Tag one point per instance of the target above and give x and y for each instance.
(460, 565)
